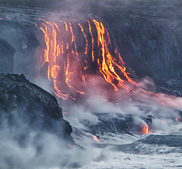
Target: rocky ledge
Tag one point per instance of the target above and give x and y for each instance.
(25, 107)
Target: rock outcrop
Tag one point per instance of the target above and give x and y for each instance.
(148, 34)
(25, 104)
(118, 123)
(6, 57)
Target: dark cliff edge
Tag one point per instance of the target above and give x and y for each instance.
(26, 106)
(147, 34)
(6, 56)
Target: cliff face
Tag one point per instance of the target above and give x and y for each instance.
(148, 34)
(6, 57)
(21, 44)
(23, 104)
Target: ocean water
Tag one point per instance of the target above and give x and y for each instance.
(121, 151)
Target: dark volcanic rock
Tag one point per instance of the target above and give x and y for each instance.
(152, 144)
(25, 104)
(21, 36)
(148, 34)
(118, 123)
(6, 57)
(169, 140)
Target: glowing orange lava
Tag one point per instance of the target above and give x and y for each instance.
(64, 59)
(145, 129)
(90, 30)
(86, 41)
(69, 67)
(95, 138)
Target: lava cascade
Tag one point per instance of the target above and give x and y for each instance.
(71, 64)
(145, 129)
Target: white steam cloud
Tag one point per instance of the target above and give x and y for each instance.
(24, 148)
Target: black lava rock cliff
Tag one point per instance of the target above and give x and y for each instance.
(25, 104)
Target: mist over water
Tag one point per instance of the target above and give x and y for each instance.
(37, 149)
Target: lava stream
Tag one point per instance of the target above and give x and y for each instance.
(75, 55)
(69, 66)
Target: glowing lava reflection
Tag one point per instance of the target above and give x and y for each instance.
(70, 66)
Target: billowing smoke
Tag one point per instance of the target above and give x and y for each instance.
(22, 146)
(93, 77)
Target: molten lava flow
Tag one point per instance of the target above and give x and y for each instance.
(95, 138)
(107, 62)
(90, 30)
(154, 94)
(145, 129)
(73, 40)
(54, 71)
(70, 67)
(86, 41)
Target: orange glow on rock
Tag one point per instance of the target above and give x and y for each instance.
(54, 71)
(145, 129)
(69, 68)
(90, 30)
(107, 61)
(86, 41)
(95, 138)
